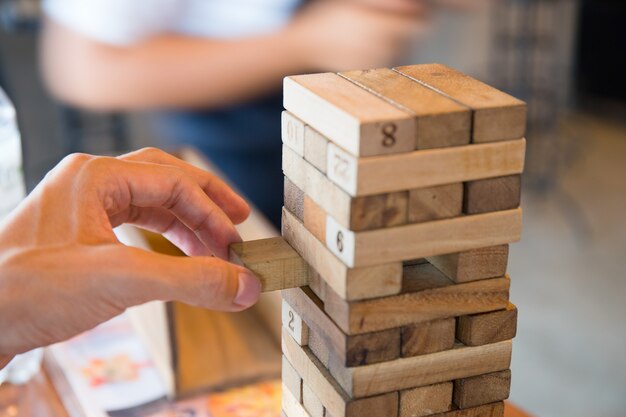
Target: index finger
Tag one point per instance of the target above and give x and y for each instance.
(228, 200)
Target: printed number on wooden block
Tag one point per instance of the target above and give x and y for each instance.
(293, 132)
(342, 168)
(340, 240)
(294, 324)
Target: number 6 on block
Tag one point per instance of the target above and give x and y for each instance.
(340, 241)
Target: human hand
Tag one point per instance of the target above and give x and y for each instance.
(63, 271)
(336, 35)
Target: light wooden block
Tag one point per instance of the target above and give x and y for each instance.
(319, 347)
(291, 406)
(435, 203)
(354, 213)
(331, 395)
(428, 337)
(314, 219)
(424, 168)
(482, 389)
(293, 132)
(291, 380)
(440, 121)
(475, 264)
(495, 114)
(292, 321)
(315, 145)
(348, 350)
(356, 317)
(481, 329)
(273, 261)
(417, 371)
(419, 240)
(353, 118)
(293, 198)
(311, 402)
(425, 401)
(349, 283)
(487, 410)
(493, 194)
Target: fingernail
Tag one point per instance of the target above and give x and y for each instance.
(248, 291)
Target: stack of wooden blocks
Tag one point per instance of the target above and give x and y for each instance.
(402, 191)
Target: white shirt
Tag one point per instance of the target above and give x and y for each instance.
(124, 22)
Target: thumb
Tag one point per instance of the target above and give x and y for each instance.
(202, 281)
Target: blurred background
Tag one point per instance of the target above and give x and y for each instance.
(566, 58)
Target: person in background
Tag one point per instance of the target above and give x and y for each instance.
(63, 271)
(213, 68)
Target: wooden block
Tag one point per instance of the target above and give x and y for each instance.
(291, 406)
(318, 285)
(319, 347)
(293, 199)
(295, 326)
(417, 371)
(419, 240)
(352, 350)
(481, 329)
(331, 395)
(435, 203)
(439, 120)
(273, 261)
(482, 389)
(428, 337)
(311, 402)
(425, 168)
(475, 264)
(424, 401)
(314, 219)
(348, 283)
(291, 380)
(493, 194)
(379, 211)
(293, 132)
(353, 118)
(356, 317)
(420, 276)
(488, 410)
(360, 213)
(315, 148)
(496, 115)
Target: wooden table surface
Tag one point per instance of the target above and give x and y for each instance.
(38, 398)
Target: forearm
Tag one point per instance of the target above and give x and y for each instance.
(168, 71)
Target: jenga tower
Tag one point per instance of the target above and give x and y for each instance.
(402, 191)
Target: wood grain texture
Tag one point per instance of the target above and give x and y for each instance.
(348, 283)
(487, 410)
(435, 203)
(481, 329)
(417, 371)
(428, 337)
(495, 114)
(292, 132)
(493, 194)
(424, 168)
(482, 389)
(366, 316)
(291, 380)
(293, 198)
(311, 402)
(419, 240)
(346, 114)
(314, 219)
(332, 396)
(475, 264)
(439, 121)
(291, 406)
(315, 145)
(293, 323)
(425, 401)
(360, 213)
(348, 350)
(273, 261)
(319, 347)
